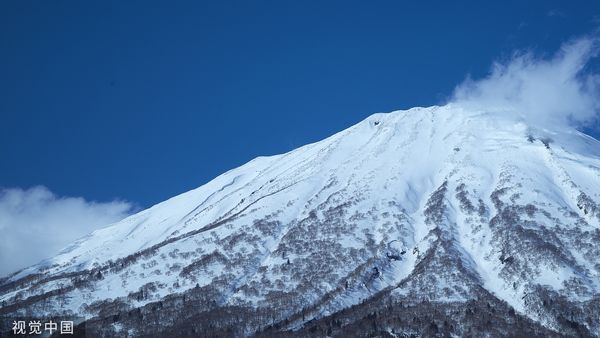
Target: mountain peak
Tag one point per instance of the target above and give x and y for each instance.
(440, 205)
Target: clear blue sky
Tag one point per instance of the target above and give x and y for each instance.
(142, 100)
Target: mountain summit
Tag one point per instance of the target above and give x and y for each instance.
(430, 221)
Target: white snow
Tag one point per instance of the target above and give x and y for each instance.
(387, 164)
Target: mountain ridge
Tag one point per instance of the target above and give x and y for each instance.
(437, 204)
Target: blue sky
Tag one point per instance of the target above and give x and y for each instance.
(142, 100)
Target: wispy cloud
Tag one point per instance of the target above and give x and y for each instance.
(36, 224)
(555, 13)
(543, 91)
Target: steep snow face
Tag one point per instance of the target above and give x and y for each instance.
(430, 203)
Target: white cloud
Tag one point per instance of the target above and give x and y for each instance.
(543, 91)
(36, 224)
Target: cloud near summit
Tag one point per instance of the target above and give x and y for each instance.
(559, 90)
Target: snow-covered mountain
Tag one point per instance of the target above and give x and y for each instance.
(430, 221)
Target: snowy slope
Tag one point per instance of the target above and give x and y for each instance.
(431, 203)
